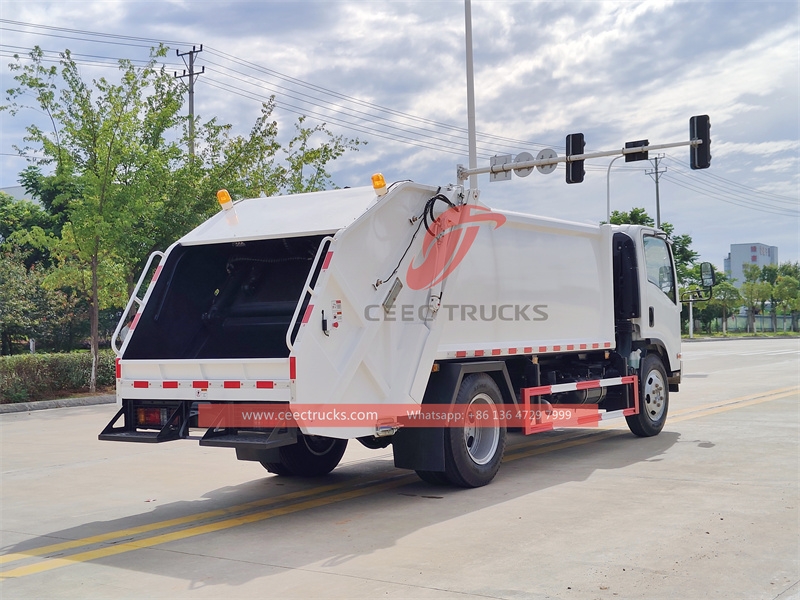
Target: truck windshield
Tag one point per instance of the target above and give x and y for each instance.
(659, 265)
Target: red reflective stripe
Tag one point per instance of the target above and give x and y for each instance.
(512, 350)
(628, 411)
(170, 385)
(556, 348)
(583, 346)
(326, 263)
(528, 350)
(232, 385)
(141, 384)
(542, 348)
(461, 353)
(595, 346)
(292, 367)
(135, 321)
(496, 352)
(156, 274)
(118, 367)
(307, 314)
(542, 390)
(570, 346)
(607, 344)
(587, 385)
(265, 385)
(200, 385)
(479, 352)
(589, 419)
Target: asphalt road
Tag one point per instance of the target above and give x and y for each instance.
(707, 509)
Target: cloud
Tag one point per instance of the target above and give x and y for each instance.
(616, 71)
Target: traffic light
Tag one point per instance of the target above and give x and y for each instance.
(700, 129)
(636, 156)
(575, 145)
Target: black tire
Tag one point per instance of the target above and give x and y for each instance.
(653, 398)
(472, 454)
(276, 468)
(434, 477)
(311, 456)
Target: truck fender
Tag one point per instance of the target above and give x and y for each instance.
(656, 346)
(422, 448)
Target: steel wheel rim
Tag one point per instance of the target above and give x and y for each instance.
(654, 395)
(317, 445)
(480, 441)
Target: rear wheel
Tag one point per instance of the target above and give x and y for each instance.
(473, 451)
(653, 398)
(311, 456)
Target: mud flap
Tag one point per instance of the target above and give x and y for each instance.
(422, 448)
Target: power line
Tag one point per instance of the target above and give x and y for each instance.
(276, 74)
(91, 33)
(776, 197)
(732, 200)
(398, 126)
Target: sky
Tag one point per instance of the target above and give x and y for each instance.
(393, 75)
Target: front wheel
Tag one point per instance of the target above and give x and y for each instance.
(473, 451)
(311, 456)
(653, 398)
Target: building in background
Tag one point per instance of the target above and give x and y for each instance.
(748, 254)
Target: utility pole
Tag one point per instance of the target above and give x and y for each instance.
(192, 78)
(654, 174)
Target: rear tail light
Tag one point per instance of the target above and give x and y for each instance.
(152, 417)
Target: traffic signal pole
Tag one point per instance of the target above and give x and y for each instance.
(464, 173)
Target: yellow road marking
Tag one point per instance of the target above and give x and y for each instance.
(104, 537)
(675, 413)
(592, 437)
(202, 529)
(718, 409)
(539, 446)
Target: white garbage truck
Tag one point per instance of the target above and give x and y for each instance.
(446, 322)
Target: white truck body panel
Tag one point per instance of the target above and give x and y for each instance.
(506, 284)
(283, 216)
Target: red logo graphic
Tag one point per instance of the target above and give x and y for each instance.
(448, 242)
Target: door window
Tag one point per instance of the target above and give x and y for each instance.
(659, 265)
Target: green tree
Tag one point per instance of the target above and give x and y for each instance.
(31, 309)
(122, 184)
(769, 274)
(635, 216)
(18, 220)
(755, 293)
(107, 140)
(16, 301)
(787, 294)
(727, 298)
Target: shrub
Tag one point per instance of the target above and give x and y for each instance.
(30, 377)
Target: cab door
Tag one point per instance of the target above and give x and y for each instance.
(661, 310)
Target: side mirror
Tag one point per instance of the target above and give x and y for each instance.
(707, 275)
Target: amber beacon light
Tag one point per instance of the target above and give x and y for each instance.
(224, 199)
(379, 184)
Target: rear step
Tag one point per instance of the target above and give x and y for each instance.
(263, 439)
(176, 426)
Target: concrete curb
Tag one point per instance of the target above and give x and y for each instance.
(64, 403)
